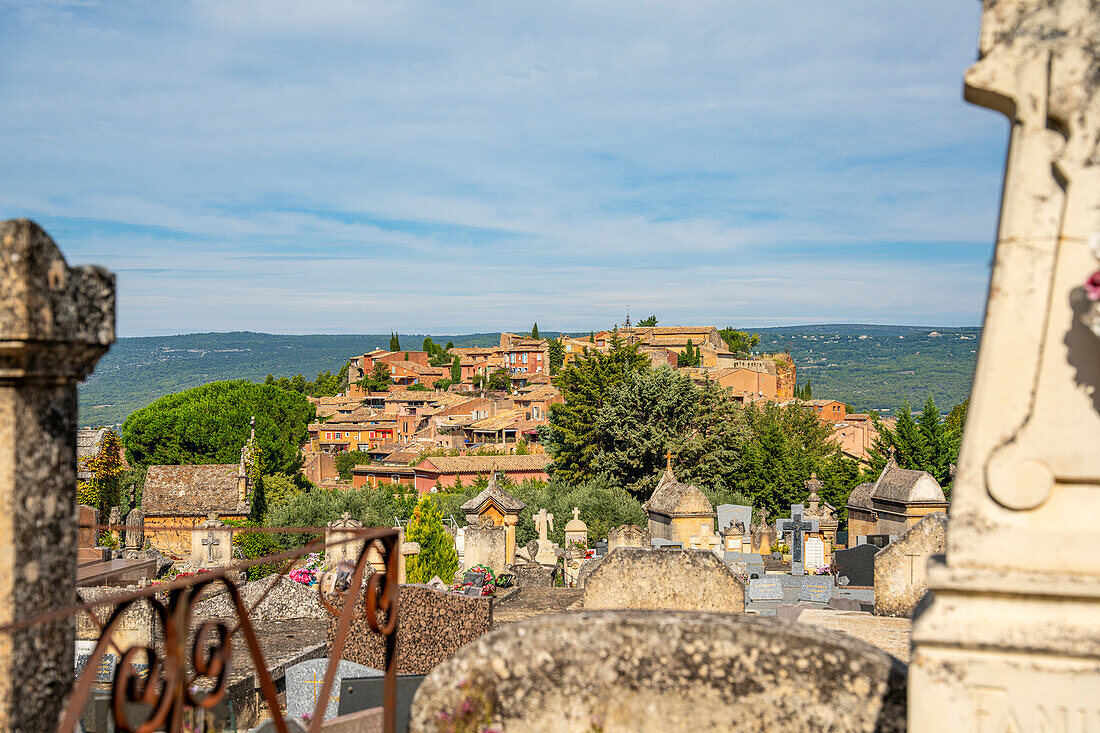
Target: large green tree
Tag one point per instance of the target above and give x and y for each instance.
(926, 443)
(555, 352)
(647, 322)
(586, 385)
(739, 342)
(437, 556)
(786, 445)
(646, 412)
(210, 424)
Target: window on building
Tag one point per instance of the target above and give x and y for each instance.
(394, 480)
(525, 358)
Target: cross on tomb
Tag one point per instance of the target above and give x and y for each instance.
(543, 522)
(211, 542)
(796, 526)
(577, 513)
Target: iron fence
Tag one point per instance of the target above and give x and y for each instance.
(162, 677)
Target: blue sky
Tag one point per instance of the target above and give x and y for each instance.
(448, 167)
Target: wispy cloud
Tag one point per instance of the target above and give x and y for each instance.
(451, 167)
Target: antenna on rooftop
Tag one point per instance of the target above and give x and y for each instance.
(627, 323)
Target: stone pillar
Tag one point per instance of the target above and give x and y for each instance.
(55, 323)
(1009, 640)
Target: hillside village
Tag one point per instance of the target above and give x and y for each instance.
(495, 399)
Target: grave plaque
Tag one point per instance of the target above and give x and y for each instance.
(815, 553)
(106, 671)
(363, 694)
(816, 589)
(878, 540)
(765, 589)
(601, 548)
(473, 590)
(474, 578)
(304, 682)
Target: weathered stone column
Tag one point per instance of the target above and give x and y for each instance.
(55, 323)
(1009, 637)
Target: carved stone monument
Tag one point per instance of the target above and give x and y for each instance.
(1009, 640)
(135, 535)
(55, 323)
(340, 546)
(211, 544)
(547, 551)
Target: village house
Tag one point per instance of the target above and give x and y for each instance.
(446, 471)
(856, 435)
(827, 410)
(339, 437)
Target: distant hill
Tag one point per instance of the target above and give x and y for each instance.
(872, 367)
(137, 371)
(877, 367)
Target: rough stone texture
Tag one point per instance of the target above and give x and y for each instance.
(431, 627)
(677, 580)
(628, 535)
(526, 603)
(900, 567)
(662, 671)
(586, 569)
(486, 545)
(219, 551)
(1008, 639)
(55, 323)
(136, 627)
(532, 575)
(287, 600)
(891, 635)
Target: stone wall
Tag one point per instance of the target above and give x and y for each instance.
(680, 580)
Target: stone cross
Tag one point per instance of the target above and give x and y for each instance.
(55, 323)
(576, 513)
(210, 542)
(796, 527)
(543, 520)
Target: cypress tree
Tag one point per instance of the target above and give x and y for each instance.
(456, 370)
(535, 330)
(437, 549)
(395, 342)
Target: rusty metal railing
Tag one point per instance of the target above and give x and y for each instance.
(167, 684)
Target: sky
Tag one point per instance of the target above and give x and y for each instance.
(457, 167)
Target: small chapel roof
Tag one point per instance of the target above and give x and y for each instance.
(861, 496)
(673, 498)
(907, 486)
(493, 492)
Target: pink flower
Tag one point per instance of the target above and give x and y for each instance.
(1092, 286)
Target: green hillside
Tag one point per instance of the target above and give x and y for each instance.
(871, 367)
(878, 367)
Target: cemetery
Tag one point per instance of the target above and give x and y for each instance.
(936, 615)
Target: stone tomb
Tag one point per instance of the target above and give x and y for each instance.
(486, 544)
(681, 580)
(211, 544)
(797, 526)
(341, 547)
(817, 589)
(493, 507)
(305, 679)
(655, 672)
(433, 626)
(900, 568)
(745, 564)
(764, 595)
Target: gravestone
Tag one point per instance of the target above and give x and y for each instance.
(682, 580)
(105, 672)
(87, 540)
(533, 575)
(547, 550)
(817, 589)
(211, 544)
(433, 625)
(341, 547)
(486, 544)
(748, 564)
(601, 548)
(662, 544)
(666, 671)
(135, 534)
(364, 694)
(796, 525)
(305, 679)
(1007, 638)
(55, 323)
(815, 553)
(858, 564)
(627, 535)
(764, 595)
(900, 568)
(729, 514)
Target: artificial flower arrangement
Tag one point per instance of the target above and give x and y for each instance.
(488, 589)
(308, 573)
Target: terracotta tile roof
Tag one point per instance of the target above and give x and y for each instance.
(485, 464)
(402, 456)
(501, 420)
(193, 490)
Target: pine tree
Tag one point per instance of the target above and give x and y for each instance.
(437, 550)
(535, 330)
(395, 342)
